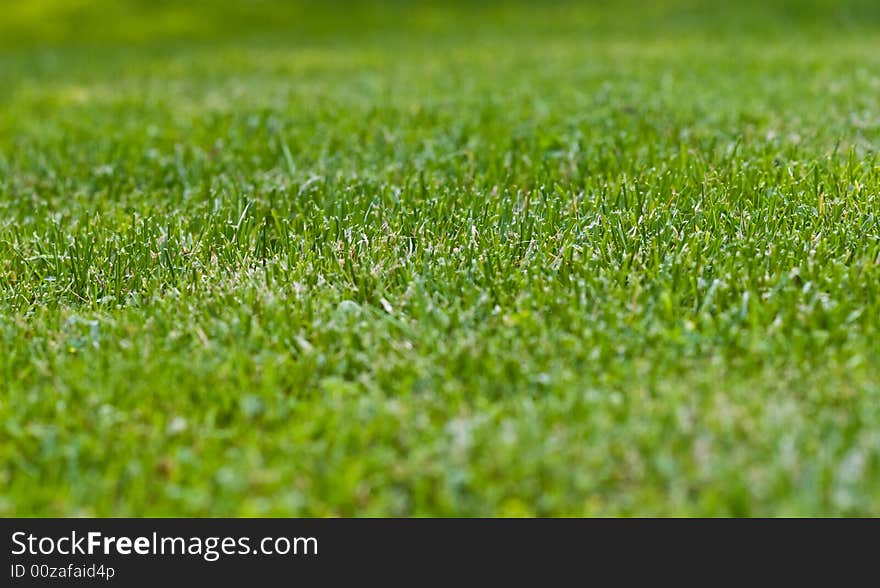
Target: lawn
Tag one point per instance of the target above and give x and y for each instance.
(597, 258)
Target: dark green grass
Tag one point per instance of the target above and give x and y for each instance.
(581, 260)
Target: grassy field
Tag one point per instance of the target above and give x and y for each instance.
(599, 258)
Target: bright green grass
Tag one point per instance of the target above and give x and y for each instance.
(612, 259)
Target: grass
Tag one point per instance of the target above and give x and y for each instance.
(600, 259)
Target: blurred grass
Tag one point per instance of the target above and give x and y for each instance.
(46, 23)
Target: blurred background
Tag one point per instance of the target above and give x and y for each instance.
(42, 23)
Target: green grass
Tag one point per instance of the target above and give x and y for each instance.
(585, 259)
